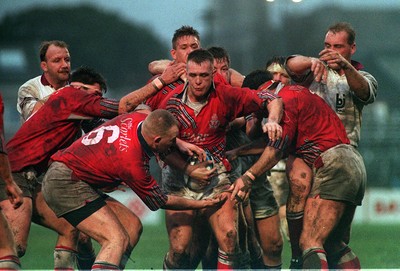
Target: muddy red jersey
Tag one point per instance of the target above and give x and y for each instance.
(115, 152)
(309, 125)
(207, 128)
(156, 100)
(55, 126)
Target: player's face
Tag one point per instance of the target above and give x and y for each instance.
(57, 65)
(338, 42)
(278, 73)
(221, 66)
(200, 77)
(168, 140)
(184, 46)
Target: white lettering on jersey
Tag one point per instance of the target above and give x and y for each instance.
(124, 139)
(94, 137)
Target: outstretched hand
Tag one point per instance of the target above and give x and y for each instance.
(216, 201)
(319, 70)
(173, 71)
(273, 129)
(240, 190)
(14, 194)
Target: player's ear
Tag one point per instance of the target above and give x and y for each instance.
(157, 139)
(173, 53)
(43, 65)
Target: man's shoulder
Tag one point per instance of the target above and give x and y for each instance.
(35, 88)
(32, 82)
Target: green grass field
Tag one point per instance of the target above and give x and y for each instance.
(376, 245)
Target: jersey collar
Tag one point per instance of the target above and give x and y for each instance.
(143, 142)
(44, 81)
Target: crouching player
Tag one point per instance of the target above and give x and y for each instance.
(118, 151)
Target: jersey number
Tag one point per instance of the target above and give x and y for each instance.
(94, 137)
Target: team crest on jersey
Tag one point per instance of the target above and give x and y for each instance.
(214, 122)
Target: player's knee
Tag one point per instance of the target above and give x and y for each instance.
(84, 240)
(228, 244)
(179, 249)
(273, 247)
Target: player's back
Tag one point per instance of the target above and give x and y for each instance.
(310, 121)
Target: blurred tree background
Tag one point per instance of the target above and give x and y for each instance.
(118, 49)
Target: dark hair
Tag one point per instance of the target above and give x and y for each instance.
(88, 76)
(256, 78)
(44, 46)
(184, 31)
(219, 53)
(346, 27)
(200, 55)
(276, 59)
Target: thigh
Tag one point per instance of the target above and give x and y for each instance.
(111, 227)
(269, 229)
(180, 227)
(340, 236)
(300, 181)
(43, 215)
(224, 223)
(6, 238)
(130, 221)
(320, 219)
(19, 220)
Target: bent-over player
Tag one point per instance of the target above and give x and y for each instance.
(118, 151)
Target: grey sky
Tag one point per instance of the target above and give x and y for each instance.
(164, 16)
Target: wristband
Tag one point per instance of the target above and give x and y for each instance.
(162, 81)
(157, 84)
(250, 174)
(247, 183)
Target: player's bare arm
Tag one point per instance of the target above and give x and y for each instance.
(356, 81)
(130, 101)
(180, 203)
(13, 191)
(242, 186)
(158, 66)
(300, 64)
(275, 112)
(236, 78)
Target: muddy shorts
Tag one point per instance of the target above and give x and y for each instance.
(63, 193)
(279, 182)
(262, 200)
(339, 174)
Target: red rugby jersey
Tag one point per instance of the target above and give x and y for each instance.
(309, 125)
(55, 126)
(208, 129)
(115, 152)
